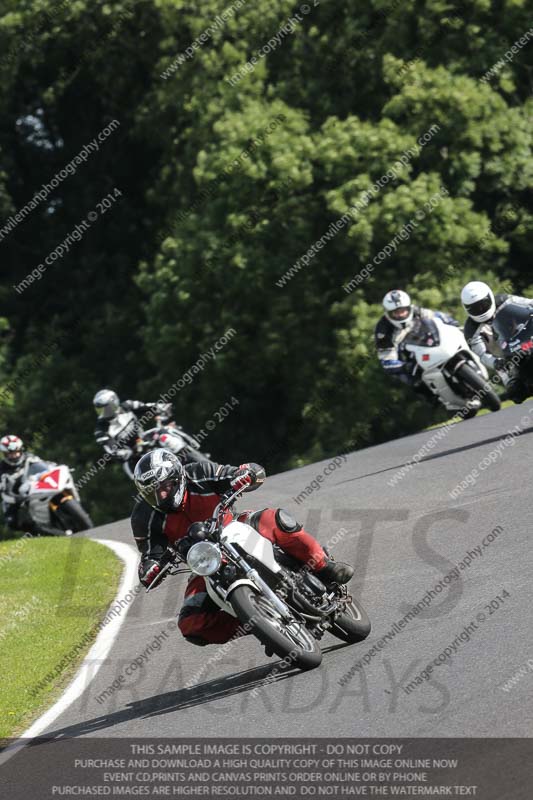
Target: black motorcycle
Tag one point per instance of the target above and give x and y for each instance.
(513, 329)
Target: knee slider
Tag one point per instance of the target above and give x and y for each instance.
(286, 521)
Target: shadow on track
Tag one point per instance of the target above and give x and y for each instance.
(434, 456)
(181, 699)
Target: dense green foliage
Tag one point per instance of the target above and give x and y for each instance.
(225, 184)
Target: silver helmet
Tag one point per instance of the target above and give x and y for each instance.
(160, 479)
(106, 403)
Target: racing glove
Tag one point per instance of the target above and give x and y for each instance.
(163, 409)
(248, 477)
(149, 568)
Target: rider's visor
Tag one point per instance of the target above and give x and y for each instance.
(400, 313)
(165, 490)
(479, 307)
(169, 494)
(13, 455)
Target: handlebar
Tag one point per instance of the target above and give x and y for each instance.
(227, 500)
(173, 560)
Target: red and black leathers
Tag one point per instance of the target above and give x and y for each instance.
(200, 619)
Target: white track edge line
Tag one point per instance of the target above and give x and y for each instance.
(94, 658)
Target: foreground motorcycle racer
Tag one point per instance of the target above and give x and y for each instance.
(392, 328)
(482, 306)
(12, 470)
(173, 497)
(119, 425)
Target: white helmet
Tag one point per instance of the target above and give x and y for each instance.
(478, 301)
(12, 449)
(106, 403)
(398, 308)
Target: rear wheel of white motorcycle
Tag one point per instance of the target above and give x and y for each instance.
(291, 641)
(479, 385)
(353, 626)
(73, 516)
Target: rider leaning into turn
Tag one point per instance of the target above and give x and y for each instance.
(173, 497)
(12, 468)
(482, 306)
(398, 320)
(119, 424)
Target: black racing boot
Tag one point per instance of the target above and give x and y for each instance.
(335, 572)
(516, 391)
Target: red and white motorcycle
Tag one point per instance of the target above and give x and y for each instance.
(48, 500)
(278, 599)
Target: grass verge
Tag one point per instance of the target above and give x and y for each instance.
(54, 591)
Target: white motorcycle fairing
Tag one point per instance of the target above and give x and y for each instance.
(124, 426)
(432, 360)
(41, 488)
(251, 542)
(173, 441)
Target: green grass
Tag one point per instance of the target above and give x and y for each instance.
(54, 591)
(483, 411)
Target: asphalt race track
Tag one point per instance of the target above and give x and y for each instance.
(403, 539)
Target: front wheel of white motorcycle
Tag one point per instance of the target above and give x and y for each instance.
(73, 516)
(480, 387)
(288, 640)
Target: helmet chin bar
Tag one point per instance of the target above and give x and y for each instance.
(400, 323)
(478, 301)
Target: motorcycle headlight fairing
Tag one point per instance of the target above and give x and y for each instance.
(204, 558)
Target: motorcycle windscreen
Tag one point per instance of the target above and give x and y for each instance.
(48, 481)
(37, 468)
(172, 441)
(513, 325)
(424, 333)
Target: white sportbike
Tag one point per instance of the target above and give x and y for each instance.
(47, 499)
(448, 367)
